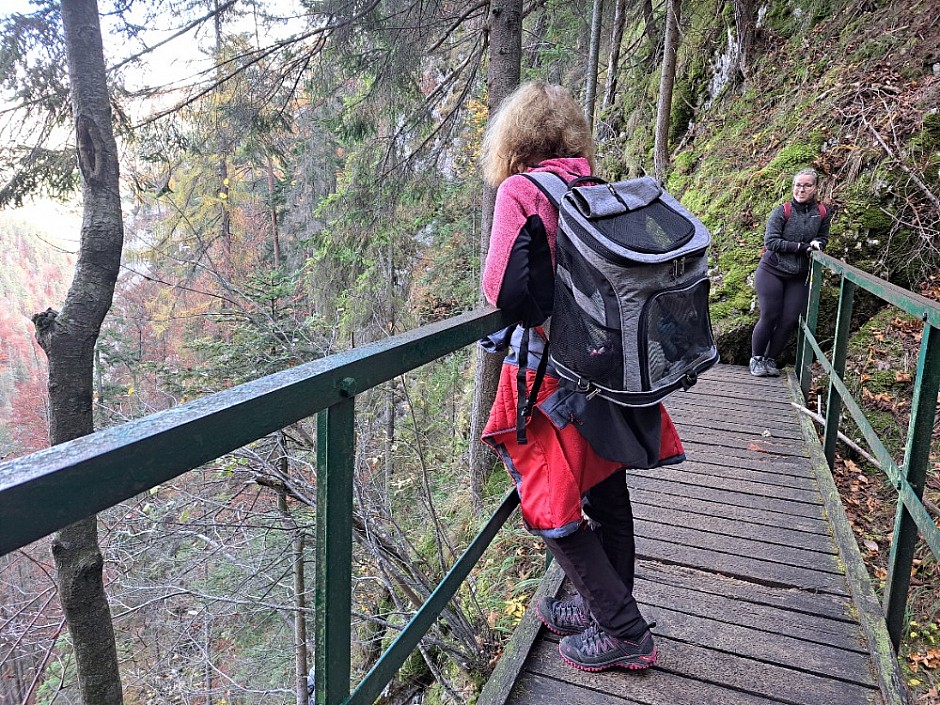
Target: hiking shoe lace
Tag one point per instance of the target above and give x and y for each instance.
(595, 650)
(567, 616)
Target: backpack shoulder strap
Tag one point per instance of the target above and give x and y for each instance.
(551, 184)
(788, 208)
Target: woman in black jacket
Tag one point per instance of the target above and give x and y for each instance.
(794, 230)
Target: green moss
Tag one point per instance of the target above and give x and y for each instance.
(931, 130)
(927, 141)
(874, 220)
(683, 162)
(793, 157)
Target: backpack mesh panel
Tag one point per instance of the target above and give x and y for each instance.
(677, 332)
(590, 340)
(654, 229)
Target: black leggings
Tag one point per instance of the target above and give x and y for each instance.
(781, 299)
(599, 561)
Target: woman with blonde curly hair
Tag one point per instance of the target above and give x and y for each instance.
(570, 470)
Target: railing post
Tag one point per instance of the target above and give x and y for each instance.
(335, 465)
(916, 461)
(804, 354)
(839, 349)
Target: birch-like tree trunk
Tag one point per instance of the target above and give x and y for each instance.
(68, 338)
(613, 64)
(666, 83)
(505, 40)
(594, 48)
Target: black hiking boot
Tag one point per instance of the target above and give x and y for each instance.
(595, 650)
(564, 617)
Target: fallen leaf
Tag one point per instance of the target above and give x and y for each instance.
(756, 447)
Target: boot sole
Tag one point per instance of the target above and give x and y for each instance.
(636, 663)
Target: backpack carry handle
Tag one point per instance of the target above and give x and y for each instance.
(581, 180)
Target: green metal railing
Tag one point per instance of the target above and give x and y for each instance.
(53, 488)
(909, 478)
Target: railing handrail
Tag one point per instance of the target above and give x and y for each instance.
(82, 477)
(78, 479)
(909, 478)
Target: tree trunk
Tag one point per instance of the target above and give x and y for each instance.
(590, 88)
(301, 667)
(613, 64)
(666, 82)
(68, 338)
(745, 29)
(225, 211)
(651, 31)
(505, 38)
(275, 235)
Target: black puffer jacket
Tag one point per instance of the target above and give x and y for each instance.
(786, 239)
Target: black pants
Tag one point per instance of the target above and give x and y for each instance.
(600, 561)
(781, 299)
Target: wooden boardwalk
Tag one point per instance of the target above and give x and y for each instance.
(743, 560)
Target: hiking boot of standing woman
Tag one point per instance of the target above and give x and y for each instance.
(770, 367)
(595, 650)
(564, 617)
(758, 369)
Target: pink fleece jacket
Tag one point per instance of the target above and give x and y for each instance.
(516, 200)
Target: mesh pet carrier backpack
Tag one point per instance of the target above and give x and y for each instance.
(630, 320)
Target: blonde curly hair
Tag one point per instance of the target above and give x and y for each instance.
(537, 121)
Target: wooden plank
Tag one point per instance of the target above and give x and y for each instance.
(695, 537)
(737, 566)
(784, 650)
(753, 424)
(672, 488)
(757, 456)
(547, 675)
(832, 606)
(652, 495)
(759, 476)
(810, 627)
(710, 405)
(704, 406)
(760, 392)
(787, 467)
(759, 678)
(734, 528)
(778, 446)
(686, 473)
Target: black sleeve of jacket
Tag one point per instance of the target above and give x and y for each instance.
(528, 291)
